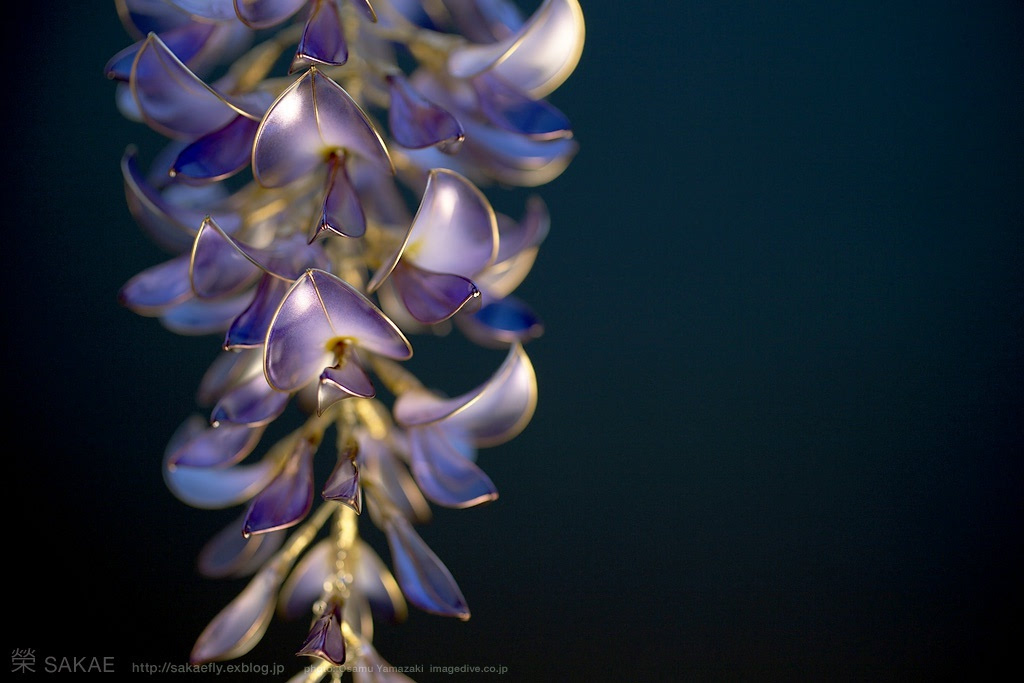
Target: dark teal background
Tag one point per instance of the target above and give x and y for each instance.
(779, 434)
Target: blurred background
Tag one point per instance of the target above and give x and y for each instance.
(779, 434)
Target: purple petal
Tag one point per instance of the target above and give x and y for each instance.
(424, 579)
(323, 38)
(185, 41)
(266, 13)
(501, 322)
(325, 640)
(346, 380)
(228, 554)
(378, 193)
(220, 154)
(535, 59)
(416, 122)
(432, 297)
(216, 447)
(341, 211)
(172, 99)
(211, 488)
(305, 584)
(516, 159)
(249, 329)
(157, 288)
(252, 403)
(318, 312)
(311, 119)
(142, 16)
(507, 108)
(515, 237)
(364, 7)
(168, 226)
(288, 498)
(391, 479)
(220, 265)
(197, 317)
(241, 624)
(445, 475)
(455, 230)
(492, 413)
(378, 585)
(343, 484)
(227, 370)
(293, 255)
(220, 10)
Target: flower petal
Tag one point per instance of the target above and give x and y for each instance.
(391, 479)
(502, 322)
(249, 329)
(266, 13)
(218, 446)
(229, 554)
(445, 475)
(432, 297)
(364, 7)
(212, 488)
(220, 10)
(305, 583)
(492, 413)
(343, 484)
(220, 266)
(241, 624)
(507, 108)
(311, 119)
(220, 154)
(288, 498)
(376, 582)
(157, 288)
(197, 317)
(424, 579)
(346, 380)
(325, 640)
(341, 212)
(320, 310)
(416, 122)
(185, 41)
(537, 58)
(323, 37)
(253, 403)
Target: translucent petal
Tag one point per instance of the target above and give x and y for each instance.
(139, 17)
(169, 226)
(221, 10)
(158, 287)
(416, 122)
(517, 159)
(253, 403)
(484, 21)
(219, 264)
(492, 413)
(432, 297)
(364, 7)
(358, 614)
(507, 108)
(503, 277)
(185, 41)
(241, 624)
(249, 329)
(502, 322)
(537, 58)
(212, 488)
(375, 581)
(454, 231)
(320, 310)
(220, 154)
(288, 498)
(343, 381)
(424, 579)
(325, 640)
(378, 194)
(518, 236)
(323, 38)
(378, 463)
(443, 474)
(228, 369)
(343, 484)
(229, 554)
(305, 584)
(266, 13)
(311, 119)
(197, 317)
(341, 212)
(172, 99)
(216, 447)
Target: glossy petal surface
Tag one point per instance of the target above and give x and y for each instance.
(241, 624)
(445, 475)
(325, 640)
(323, 38)
(266, 13)
(416, 122)
(537, 58)
(216, 447)
(252, 403)
(288, 498)
(221, 10)
(432, 297)
(501, 322)
(378, 585)
(507, 108)
(220, 266)
(319, 310)
(249, 329)
(424, 579)
(210, 488)
(306, 581)
(228, 554)
(196, 317)
(311, 119)
(343, 484)
(343, 381)
(220, 154)
(153, 290)
(185, 41)
(341, 212)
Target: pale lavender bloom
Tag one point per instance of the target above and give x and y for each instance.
(321, 199)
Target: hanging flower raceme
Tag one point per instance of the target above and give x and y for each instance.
(320, 194)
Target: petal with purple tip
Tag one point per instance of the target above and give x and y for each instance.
(424, 579)
(198, 317)
(537, 58)
(343, 484)
(226, 371)
(325, 640)
(249, 329)
(365, 7)
(157, 288)
(416, 122)
(220, 154)
(320, 310)
(507, 108)
(211, 488)
(305, 583)
(346, 380)
(378, 585)
(391, 479)
(288, 498)
(323, 37)
(220, 266)
(228, 554)
(185, 41)
(432, 297)
(311, 119)
(518, 236)
(252, 403)
(445, 475)
(492, 413)
(240, 625)
(216, 447)
(172, 99)
(517, 159)
(219, 10)
(341, 212)
(501, 322)
(139, 17)
(266, 13)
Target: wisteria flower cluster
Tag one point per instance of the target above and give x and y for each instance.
(319, 194)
